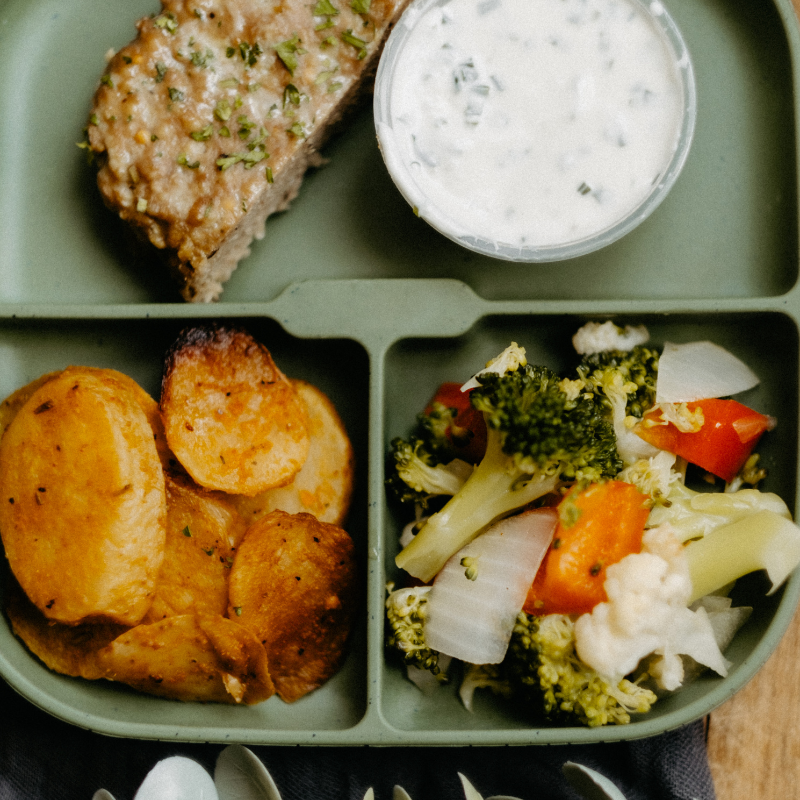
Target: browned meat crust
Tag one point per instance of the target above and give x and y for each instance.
(205, 124)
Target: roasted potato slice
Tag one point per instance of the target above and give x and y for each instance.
(14, 402)
(232, 418)
(203, 531)
(324, 485)
(190, 657)
(68, 649)
(83, 506)
(294, 584)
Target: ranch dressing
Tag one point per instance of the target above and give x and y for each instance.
(531, 122)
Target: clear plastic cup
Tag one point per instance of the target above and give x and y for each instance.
(438, 213)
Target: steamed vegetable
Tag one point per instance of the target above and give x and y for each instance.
(597, 526)
(546, 672)
(622, 601)
(717, 435)
(477, 594)
(539, 435)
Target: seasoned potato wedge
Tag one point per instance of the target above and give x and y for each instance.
(324, 485)
(294, 584)
(203, 531)
(232, 418)
(68, 649)
(83, 506)
(190, 657)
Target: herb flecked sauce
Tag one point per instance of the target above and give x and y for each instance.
(535, 122)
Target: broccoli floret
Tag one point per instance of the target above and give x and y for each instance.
(636, 370)
(540, 435)
(625, 383)
(424, 465)
(405, 614)
(414, 478)
(544, 670)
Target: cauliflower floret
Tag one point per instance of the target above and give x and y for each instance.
(598, 337)
(510, 359)
(646, 613)
(653, 476)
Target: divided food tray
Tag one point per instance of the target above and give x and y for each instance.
(350, 291)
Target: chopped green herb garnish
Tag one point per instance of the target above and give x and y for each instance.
(106, 79)
(329, 23)
(184, 162)
(229, 83)
(334, 86)
(202, 59)
(203, 135)
(248, 52)
(328, 42)
(245, 126)
(93, 119)
(269, 175)
(360, 6)
(297, 130)
(249, 159)
(225, 131)
(176, 95)
(584, 188)
(291, 94)
(359, 44)
(237, 610)
(166, 22)
(127, 59)
(324, 8)
(324, 77)
(288, 51)
(161, 71)
(253, 87)
(186, 531)
(223, 110)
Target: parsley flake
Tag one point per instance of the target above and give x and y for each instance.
(203, 135)
(176, 95)
(167, 22)
(184, 162)
(324, 8)
(288, 51)
(360, 6)
(223, 110)
(359, 44)
(201, 59)
(161, 71)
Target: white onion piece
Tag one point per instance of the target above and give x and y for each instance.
(700, 370)
(472, 620)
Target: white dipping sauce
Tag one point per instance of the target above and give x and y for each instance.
(532, 122)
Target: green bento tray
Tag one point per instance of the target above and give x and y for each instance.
(351, 291)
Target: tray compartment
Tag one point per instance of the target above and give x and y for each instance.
(728, 228)
(768, 342)
(136, 347)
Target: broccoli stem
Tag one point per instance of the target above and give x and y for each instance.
(764, 540)
(495, 488)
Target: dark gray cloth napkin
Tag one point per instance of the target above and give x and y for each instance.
(42, 758)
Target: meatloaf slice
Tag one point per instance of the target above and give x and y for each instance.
(205, 124)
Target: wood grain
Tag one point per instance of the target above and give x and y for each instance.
(754, 738)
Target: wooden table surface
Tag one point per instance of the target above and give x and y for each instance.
(754, 738)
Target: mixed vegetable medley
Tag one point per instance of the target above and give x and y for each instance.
(555, 551)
